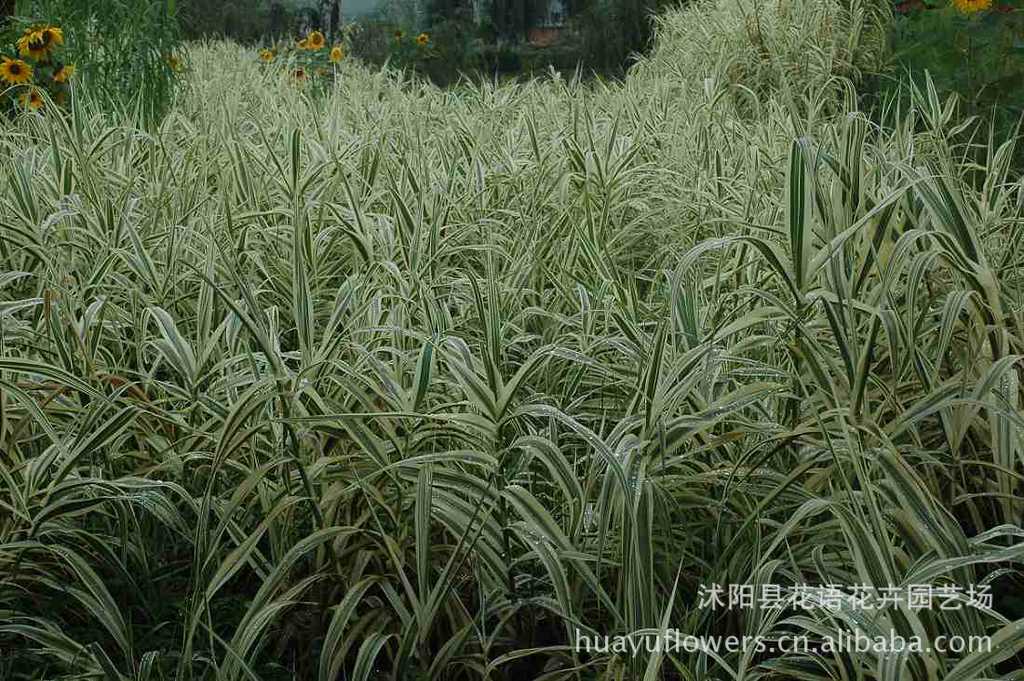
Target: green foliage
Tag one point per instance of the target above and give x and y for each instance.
(615, 32)
(452, 48)
(460, 49)
(455, 41)
(123, 48)
(241, 20)
(247, 21)
(978, 56)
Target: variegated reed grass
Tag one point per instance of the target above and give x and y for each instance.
(395, 382)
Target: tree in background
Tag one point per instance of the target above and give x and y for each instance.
(614, 30)
(242, 20)
(611, 31)
(278, 18)
(330, 10)
(511, 19)
(251, 21)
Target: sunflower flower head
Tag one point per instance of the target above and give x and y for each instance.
(337, 53)
(31, 99)
(423, 39)
(52, 35)
(266, 56)
(316, 40)
(15, 71)
(39, 43)
(30, 45)
(972, 6)
(64, 73)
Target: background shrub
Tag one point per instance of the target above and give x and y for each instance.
(614, 31)
(253, 21)
(979, 56)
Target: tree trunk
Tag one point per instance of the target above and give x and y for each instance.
(506, 15)
(276, 19)
(336, 17)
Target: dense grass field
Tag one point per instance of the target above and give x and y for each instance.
(394, 382)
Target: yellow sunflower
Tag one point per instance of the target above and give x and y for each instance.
(423, 39)
(39, 43)
(30, 45)
(337, 53)
(15, 71)
(31, 99)
(316, 40)
(65, 73)
(52, 36)
(972, 6)
(266, 56)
